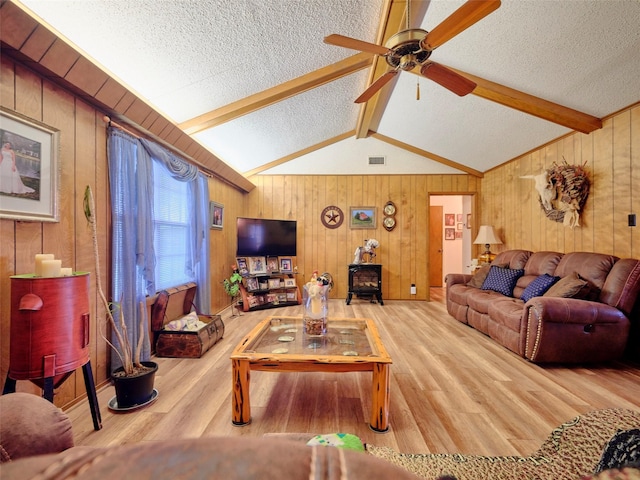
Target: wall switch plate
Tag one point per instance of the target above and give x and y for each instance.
(632, 219)
(413, 289)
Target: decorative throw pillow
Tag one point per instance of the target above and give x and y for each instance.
(538, 286)
(478, 278)
(481, 274)
(570, 286)
(622, 450)
(502, 280)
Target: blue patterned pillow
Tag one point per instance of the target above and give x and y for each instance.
(502, 280)
(538, 286)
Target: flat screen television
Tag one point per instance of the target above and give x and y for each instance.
(262, 237)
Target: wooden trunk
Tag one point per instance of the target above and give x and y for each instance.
(172, 304)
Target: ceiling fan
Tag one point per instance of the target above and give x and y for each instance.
(412, 47)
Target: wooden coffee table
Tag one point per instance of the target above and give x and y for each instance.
(279, 344)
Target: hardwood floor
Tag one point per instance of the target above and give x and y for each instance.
(452, 390)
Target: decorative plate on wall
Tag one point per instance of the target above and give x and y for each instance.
(332, 216)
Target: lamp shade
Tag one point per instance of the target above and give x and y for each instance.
(487, 236)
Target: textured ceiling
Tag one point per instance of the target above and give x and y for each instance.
(188, 58)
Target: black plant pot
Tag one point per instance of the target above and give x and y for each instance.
(134, 390)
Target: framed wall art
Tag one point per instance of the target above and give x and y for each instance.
(449, 233)
(362, 217)
(29, 171)
(216, 213)
(468, 220)
(449, 219)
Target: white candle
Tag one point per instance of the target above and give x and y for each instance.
(66, 271)
(40, 257)
(51, 268)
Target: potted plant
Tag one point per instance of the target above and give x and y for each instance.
(232, 286)
(134, 380)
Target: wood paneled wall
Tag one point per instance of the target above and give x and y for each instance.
(611, 155)
(403, 252)
(82, 162)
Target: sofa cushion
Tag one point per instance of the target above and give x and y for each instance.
(512, 258)
(502, 280)
(571, 286)
(31, 425)
(479, 277)
(542, 262)
(593, 267)
(538, 287)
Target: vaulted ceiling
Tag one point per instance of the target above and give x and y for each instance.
(254, 83)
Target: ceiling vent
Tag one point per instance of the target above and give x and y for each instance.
(377, 160)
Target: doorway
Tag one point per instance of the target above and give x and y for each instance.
(450, 236)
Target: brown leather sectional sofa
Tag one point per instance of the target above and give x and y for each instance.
(593, 326)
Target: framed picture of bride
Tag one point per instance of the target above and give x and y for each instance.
(28, 169)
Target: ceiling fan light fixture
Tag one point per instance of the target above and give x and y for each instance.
(404, 43)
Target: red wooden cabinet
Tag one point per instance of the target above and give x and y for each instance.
(50, 333)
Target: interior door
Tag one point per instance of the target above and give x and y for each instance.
(435, 245)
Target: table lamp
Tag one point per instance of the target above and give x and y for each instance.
(487, 236)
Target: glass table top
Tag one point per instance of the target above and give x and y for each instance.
(279, 335)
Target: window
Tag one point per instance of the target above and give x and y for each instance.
(171, 229)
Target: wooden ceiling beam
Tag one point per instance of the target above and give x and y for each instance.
(538, 107)
(276, 94)
(393, 20)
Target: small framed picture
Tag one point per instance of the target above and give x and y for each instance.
(286, 265)
(468, 220)
(274, 283)
(290, 282)
(252, 284)
(362, 217)
(449, 233)
(458, 235)
(273, 265)
(243, 268)
(254, 301)
(216, 211)
(292, 296)
(257, 265)
(458, 217)
(282, 297)
(459, 226)
(271, 298)
(449, 219)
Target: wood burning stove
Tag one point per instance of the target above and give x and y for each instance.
(365, 281)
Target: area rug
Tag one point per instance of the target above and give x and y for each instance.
(571, 451)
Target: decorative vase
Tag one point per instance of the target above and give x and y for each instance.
(315, 309)
(134, 390)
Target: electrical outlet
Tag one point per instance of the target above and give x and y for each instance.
(632, 219)
(413, 289)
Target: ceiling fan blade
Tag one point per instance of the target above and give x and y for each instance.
(375, 86)
(348, 42)
(465, 16)
(448, 78)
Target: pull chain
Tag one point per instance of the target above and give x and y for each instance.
(418, 89)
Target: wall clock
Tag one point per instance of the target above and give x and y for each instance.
(332, 216)
(389, 223)
(390, 208)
